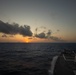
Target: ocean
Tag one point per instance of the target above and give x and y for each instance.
(29, 58)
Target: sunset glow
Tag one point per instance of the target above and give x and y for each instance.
(38, 21)
(26, 40)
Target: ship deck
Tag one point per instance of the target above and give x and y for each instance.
(63, 67)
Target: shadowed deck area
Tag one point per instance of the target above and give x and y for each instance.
(62, 68)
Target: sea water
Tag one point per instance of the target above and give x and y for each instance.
(29, 58)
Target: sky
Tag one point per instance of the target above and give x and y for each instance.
(37, 21)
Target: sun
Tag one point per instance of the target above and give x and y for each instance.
(26, 40)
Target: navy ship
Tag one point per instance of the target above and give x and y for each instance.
(64, 64)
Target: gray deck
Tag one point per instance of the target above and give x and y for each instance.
(62, 68)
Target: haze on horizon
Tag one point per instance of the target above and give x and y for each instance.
(37, 21)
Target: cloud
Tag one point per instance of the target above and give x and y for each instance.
(56, 38)
(41, 35)
(14, 29)
(25, 30)
(4, 35)
(48, 35)
(40, 29)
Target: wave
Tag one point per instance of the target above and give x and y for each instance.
(51, 70)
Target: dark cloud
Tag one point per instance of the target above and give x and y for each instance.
(49, 33)
(25, 30)
(44, 34)
(48, 36)
(41, 35)
(15, 29)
